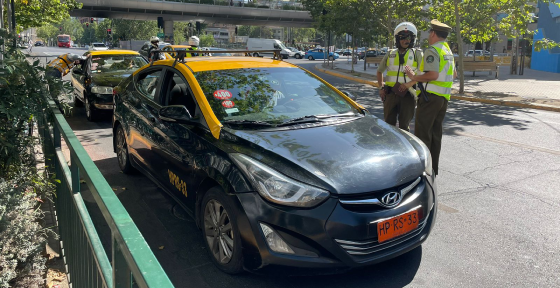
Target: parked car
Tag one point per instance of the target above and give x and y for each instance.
(98, 47)
(347, 52)
(216, 51)
(369, 53)
(477, 53)
(240, 144)
(39, 43)
(339, 51)
(318, 53)
(296, 53)
(93, 80)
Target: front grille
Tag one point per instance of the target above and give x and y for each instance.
(371, 245)
(370, 201)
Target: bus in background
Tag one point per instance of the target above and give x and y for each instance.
(64, 40)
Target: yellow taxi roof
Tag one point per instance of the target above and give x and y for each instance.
(178, 46)
(206, 63)
(114, 52)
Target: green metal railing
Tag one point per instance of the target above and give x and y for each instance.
(133, 264)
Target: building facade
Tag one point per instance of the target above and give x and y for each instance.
(548, 27)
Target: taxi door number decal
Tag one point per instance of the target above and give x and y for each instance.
(222, 94)
(228, 104)
(177, 182)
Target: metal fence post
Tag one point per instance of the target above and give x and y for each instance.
(122, 275)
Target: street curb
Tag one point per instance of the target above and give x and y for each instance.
(346, 76)
(455, 97)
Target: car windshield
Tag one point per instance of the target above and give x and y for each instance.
(98, 45)
(116, 63)
(271, 95)
(63, 38)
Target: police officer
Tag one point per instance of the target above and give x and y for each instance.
(193, 42)
(62, 65)
(152, 54)
(395, 106)
(439, 71)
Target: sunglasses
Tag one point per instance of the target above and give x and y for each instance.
(404, 37)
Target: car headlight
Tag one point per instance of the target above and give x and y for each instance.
(278, 188)
(423, 152)
(101, 90)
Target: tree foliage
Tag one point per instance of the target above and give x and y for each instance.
(37, 13)
(207, 40)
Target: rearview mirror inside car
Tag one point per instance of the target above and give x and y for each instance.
(175, 113)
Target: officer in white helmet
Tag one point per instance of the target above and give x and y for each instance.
(397, 91)
(152, 55)
(194, 43)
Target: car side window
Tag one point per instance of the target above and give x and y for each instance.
(178, 92)
(147, 83)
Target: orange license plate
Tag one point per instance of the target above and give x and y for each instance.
(397, 226)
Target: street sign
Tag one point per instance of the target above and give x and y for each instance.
(160, 34)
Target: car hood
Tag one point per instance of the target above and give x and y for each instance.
(109, 79)
(355, 157)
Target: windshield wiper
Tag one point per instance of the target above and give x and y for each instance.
(317, 118)
(248, 123)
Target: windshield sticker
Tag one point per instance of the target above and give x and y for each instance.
(222, 95)
(228, 104)
(232, 110)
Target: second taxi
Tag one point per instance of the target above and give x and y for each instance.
(277, 167)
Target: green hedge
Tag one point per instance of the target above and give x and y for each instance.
(22, 239)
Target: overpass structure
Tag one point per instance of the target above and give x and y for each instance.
(282, 13)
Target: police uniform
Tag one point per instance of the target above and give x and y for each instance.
(396, 106)
(430, 114)
(192, 48)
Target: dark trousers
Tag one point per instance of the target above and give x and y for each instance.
(429, 124)
(399, 107)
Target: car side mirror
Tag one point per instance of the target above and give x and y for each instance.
(350, 95)
(175, 113)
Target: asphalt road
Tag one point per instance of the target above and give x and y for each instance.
(497, 224)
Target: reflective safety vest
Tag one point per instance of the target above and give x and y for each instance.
(62, 64)
(192, 49)
(442, 85)
(395, 69)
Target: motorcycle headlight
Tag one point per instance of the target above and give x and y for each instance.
(423, 152)
(102, 90)
(278, 188)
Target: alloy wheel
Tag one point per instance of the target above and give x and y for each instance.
(218, 231)
(122, 153)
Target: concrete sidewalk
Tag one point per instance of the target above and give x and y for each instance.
(535, 89)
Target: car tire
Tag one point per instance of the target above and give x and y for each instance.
(123, 157)
(298, 56)
(310, 58)
(91, 114)
(215, 238)
(255, 54)
(78, 102)
(331, 58)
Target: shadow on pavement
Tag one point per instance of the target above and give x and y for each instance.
(178, 243)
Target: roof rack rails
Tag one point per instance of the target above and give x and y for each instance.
(180, 55)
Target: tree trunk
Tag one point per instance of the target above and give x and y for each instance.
(513, 67)
(459, 48)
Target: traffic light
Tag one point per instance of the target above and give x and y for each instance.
(235, 30)
(91, 20)
(108, 31)
(87, 25)
(60, 28)
(198, 27)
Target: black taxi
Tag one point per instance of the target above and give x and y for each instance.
(278, 167)
(94, 79)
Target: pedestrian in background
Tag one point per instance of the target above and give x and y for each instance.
(398, 101)
(30, 43)
(439, 71)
